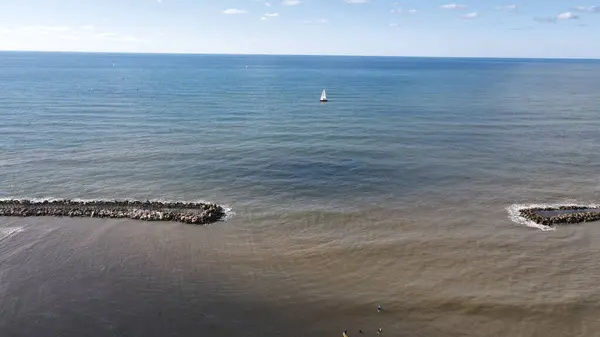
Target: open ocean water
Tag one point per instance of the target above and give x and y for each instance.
(398, 191)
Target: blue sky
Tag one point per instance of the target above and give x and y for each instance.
(487, 28)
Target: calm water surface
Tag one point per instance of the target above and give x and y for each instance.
(394, 192)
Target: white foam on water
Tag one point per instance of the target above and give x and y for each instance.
(9, 231)
(49, 199)
(514, 213)
(229, 212)
(30, 199)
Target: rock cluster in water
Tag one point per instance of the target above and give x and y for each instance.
(585, 215)
(185, 212)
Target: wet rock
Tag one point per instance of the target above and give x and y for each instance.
(581, 214)
(190, 213)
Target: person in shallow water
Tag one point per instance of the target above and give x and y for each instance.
(345, 333)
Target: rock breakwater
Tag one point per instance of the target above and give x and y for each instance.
(561, 215)
(185, 212)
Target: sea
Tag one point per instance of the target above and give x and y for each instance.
(401, 191)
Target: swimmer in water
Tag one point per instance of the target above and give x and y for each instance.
(345, 333)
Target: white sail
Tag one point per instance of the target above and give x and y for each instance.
(323, 96)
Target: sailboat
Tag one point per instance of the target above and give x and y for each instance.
(323, 96)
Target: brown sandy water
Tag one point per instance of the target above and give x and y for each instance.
(436, 272)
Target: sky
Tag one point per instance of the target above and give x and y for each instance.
(437, 28)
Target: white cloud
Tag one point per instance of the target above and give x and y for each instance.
(291, 2)
(271, 15)
(400, 11)
(126, 38)
(106, 35)
(30, 31)
(588, 9)
(56, 32)
(315, 21)
(472, 15)
(116, 37)
(268, 4)
(567, 16)
(234, 11)
(263, 18)
(47, 28)
(393, 25)
(560, 17)
(357, 1)
(512, 7)
(453, 6)
(69, 37)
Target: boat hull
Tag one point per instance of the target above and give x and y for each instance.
(323, 101)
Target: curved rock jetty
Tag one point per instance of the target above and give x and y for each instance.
(185, 212)
(551, 216)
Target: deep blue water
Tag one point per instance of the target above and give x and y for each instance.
(249, 130)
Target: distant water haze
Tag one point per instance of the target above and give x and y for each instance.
(400, 191)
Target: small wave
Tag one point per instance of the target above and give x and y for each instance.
(7, 232)
(49, 199)
(514, 213)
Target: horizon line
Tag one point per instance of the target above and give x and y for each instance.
(283, 54)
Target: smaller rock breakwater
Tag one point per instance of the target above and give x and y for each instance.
(185, 212)
(571, 215)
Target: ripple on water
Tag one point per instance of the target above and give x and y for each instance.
(9, 231)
